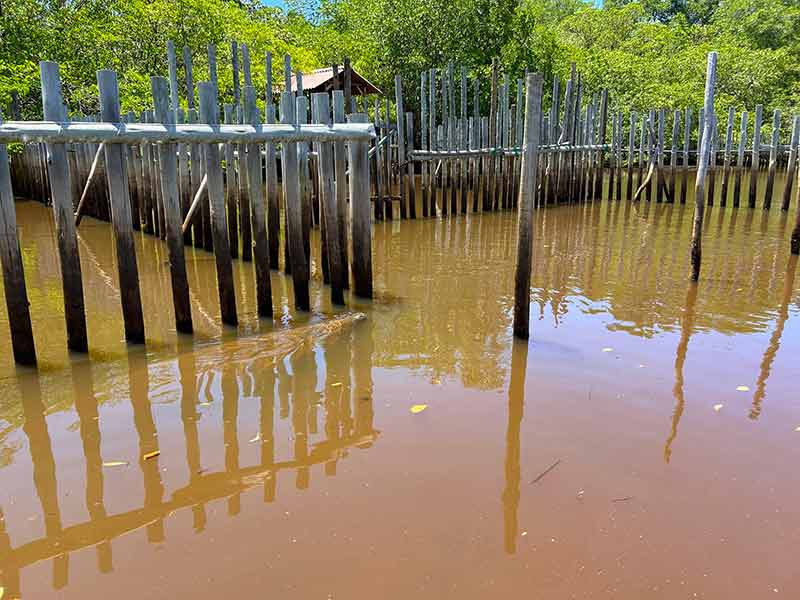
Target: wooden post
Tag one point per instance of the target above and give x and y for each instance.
(433, 142)
(172, 209)
(401, 144)
(259, 208)
(340, 168)
(631, 146)
(755, 156)
(673, 156)
(791, 168)
(726, 160)
(423, 131)
(525, 206)
(699, 188)
(712, 159)
(231, 186)
(737, 180)
(187, 65)
(687, 133)
(273, 207)
(412, 191)
(291, 196)
(773, 158)
(19, 318)
(117, 176)
(216, 200)
(490, 199)
(60, 186)
(348, 85)
(360, 218)
(601, 140)
(321, 113)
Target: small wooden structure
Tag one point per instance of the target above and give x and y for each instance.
(333, 78)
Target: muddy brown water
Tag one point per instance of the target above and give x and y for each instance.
(612, 457)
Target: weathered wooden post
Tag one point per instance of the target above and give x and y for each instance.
(756, 156)
(257, 204)
(216, 199)
(791, 167)
(117, 176)
(273, 207)
(340, 167)
(773, 158)
(291, 197)
(321, 113)
(702, 165)
(19, 317)
(423, 115)
(348, 85)
(726, 160)
(360, 218)
(737, 180)
(525, 205)
(172, 209)
(60, 185)
(673, 156)
(401, 143)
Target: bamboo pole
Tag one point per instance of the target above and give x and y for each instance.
(699, 191)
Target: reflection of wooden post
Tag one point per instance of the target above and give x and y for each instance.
(44, 470)
(188, 377)
(86, 407)
(687, 325)
(9, 574)
(301, 374)
(230, 434)
(775, 339)
(516, 403)
(530, 154)
(362, 359)
(148, 441)
(267, 431)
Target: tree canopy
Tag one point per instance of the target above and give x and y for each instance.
(648, 53)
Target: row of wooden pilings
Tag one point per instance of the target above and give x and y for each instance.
(456, 163)
(157, 189)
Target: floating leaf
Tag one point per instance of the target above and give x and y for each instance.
(115, 463)
(718, 407)
(418, 408)
(337, 384)
(2, 592)
(256, 438)
(152, 454)
(607, 349)
(797, 428)
(742, 388)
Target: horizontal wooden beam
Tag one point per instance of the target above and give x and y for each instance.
(137, 133)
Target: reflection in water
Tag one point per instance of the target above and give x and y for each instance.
(687, 325)
(516, 402)
(775, 340)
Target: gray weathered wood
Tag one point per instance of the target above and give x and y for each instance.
(340, 168)
(361, 234)
(687, 132)
(216, 197)
(791, 167)
(258, 205)
(773, 158)
(699, 191)
(737, 180)
(291, 197)
(755, 156)
(172, 209)
(17, 306)
(525, 206)
(60, 186)
(726, 159)
(118, 189)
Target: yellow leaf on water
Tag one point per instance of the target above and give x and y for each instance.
(337, 384)
(742, 388)
(152, 454)
(115, 463)
(418, 408)
(608, 349)
(718, 407)
(2, 592)
(256, 438)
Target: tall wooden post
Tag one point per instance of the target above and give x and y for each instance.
(60, 186)
(702, 165)
(525, 204)
(360, 218)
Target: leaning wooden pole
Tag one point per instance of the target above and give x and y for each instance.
(525, 204)
(702, 166)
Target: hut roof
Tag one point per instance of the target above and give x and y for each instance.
(321, 80)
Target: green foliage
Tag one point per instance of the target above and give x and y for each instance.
(648, 53)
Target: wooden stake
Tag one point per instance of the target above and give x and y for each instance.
(172, 209)
(755, 156)
(699, 188)
(792, 166)
(360, 218)
(117, 176)
(60, 186)
(773, 158)
(525, 206)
